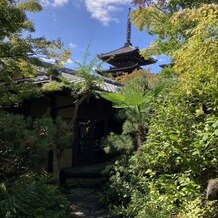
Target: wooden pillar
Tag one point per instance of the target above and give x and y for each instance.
(53, 114)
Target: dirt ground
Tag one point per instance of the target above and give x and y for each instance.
(85, 203)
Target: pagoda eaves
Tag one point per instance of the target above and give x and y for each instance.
(128, 69)
(125, 54)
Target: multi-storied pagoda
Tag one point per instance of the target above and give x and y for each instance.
(125, 59)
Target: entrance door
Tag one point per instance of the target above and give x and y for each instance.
(87, 149)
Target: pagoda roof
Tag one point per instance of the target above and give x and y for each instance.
(125, 53)
(120, 51)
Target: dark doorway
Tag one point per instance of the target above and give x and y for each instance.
(87, 149)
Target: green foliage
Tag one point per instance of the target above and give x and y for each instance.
(21, 54)
(173, 166)
(30, 5)
(132, 95)
(134, 98)
(169, 175)
(57, 135)
(32, 196)
(52, 86)
(138, 95)
(118, 144)
(24, 146)
(196, 61)
(31, 142)
(22, 153)
(174, 23)
(86, 70)
(20, 92)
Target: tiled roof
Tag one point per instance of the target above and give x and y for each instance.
(109, 87)
(122, 50)
(106, 84)
(124, 55)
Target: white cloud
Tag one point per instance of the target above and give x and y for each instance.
(69, 61)
(103, 10)
(48, 60)
(162, 59)
(54, 3)
(59, 3)
(72, 45)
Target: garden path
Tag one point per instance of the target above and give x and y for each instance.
(83, 186)
(85, 204)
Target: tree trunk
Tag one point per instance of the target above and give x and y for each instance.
(76, 108)
(140, 136)
(57, 160)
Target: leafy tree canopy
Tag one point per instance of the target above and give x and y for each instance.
(168, 177)
(158, 18)
(187, 32)
(20, 53)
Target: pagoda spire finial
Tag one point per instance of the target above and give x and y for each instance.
(128, 31)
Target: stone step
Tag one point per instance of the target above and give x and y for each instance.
(86, 172)
(84, 183)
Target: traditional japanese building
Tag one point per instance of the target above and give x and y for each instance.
(125, 59)
(95, 118)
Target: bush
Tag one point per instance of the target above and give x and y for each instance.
(169, 175)
(31, 141)
(32, 196)
(23, 148)
(20, 147)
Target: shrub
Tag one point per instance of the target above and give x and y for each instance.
(33, 196)
(171, 170)
(20, 147)
(31, 141)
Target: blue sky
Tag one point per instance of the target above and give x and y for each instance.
(100, 23)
